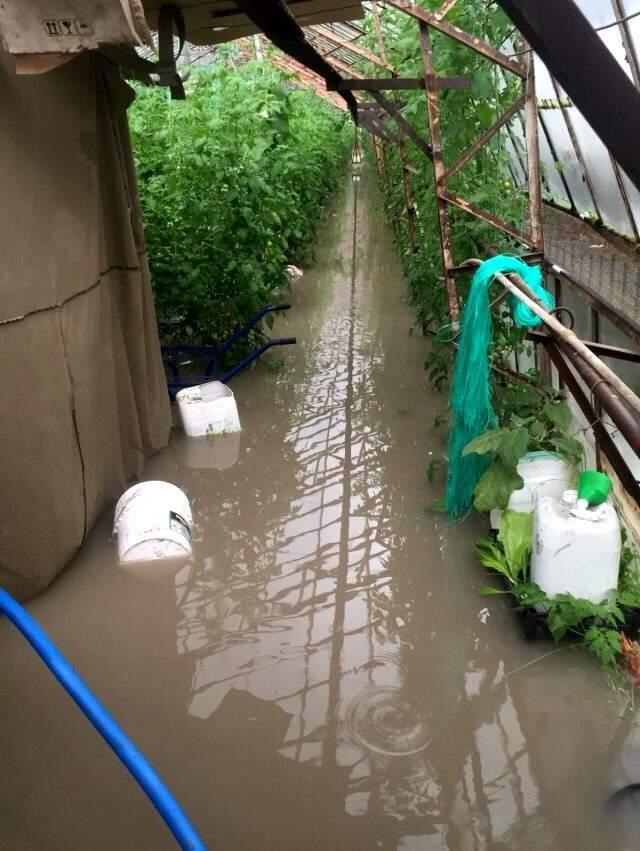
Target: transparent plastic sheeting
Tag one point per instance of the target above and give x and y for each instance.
(586, 178)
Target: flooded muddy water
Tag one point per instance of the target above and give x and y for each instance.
(323, 675)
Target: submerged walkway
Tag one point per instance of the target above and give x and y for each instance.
(324, 675)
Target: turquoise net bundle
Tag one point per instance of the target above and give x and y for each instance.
(470, 402)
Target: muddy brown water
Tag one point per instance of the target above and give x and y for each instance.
(323, 675)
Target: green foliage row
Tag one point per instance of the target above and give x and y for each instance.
(232, 183)
(531, 416)
(485, 181)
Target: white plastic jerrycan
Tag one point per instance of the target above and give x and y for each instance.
(576, 547)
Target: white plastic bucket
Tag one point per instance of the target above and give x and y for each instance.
(208, 409)
(153, 520)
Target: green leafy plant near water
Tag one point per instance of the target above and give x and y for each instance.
(531, 415)
(541, 424)
(596, 625)
(232, 184)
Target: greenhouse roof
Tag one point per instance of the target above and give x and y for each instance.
(217, 21)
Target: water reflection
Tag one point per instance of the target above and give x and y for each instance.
(319, 590)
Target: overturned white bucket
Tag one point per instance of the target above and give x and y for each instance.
(208, 409)
(153, 521)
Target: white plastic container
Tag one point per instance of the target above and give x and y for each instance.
(576, 550)
(536, 469)
(153, 521)
(208, 409)
(294, 273)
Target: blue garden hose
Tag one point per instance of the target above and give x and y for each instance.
(140, 768)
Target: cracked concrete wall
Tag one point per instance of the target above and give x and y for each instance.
(83, 398)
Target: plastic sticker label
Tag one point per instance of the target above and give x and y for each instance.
(68, 26)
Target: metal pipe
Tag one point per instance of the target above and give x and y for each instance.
(597, 382)
(610, 450)
(611, 402)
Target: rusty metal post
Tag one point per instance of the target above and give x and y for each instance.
(533, 155)
(543, 361)
(406, 186)
(376, 154)
(378, 26)
(433, 109)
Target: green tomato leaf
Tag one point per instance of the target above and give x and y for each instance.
(558, 414)
(495, 486)
(568, 447)
(605, 643)
(490, 441)
(557, 624)
(514, 445)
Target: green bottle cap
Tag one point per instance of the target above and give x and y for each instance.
(594, 486)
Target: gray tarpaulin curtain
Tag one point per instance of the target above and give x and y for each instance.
(83, 398)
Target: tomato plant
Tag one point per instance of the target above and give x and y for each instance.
(232, 184)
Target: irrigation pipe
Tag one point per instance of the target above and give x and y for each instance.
(521, 291)
(123, 747)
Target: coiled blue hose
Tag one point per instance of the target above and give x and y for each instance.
(137, 764)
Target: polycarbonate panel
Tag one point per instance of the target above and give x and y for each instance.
(634, 198)
(515, 161)
(552, 177)
(600, 13)
(631, 7)
(544, 87)
(557, 128)
(516, 131)
(603, 180)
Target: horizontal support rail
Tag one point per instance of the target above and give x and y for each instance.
(358, 84)
(601, 349)
(485, 216)
(366, 105)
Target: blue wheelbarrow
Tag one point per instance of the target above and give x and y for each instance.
(187, 366)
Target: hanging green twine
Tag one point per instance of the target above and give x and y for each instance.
(470, 403)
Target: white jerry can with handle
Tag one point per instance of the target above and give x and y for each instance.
(208, 409)
(576, 548)
(153, 520)
(537, 469)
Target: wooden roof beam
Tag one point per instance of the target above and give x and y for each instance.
(328, 35)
